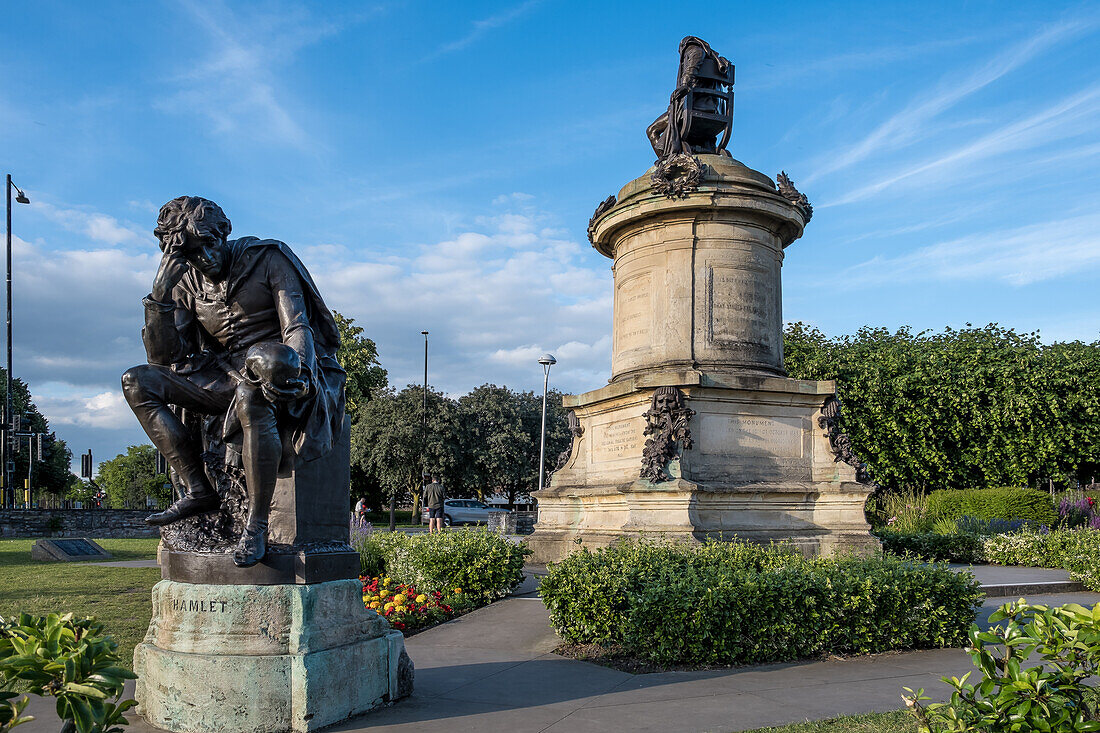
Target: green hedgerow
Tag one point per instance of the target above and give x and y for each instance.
(1075, 550)
(742, 603)
(998, 503)
(960, 547)
(484, 564)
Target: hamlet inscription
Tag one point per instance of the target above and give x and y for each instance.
(741, 305)
(617, 440)
(779, 437)
(634, 313)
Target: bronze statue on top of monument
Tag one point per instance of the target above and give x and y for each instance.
(242, 380)
(701, 106)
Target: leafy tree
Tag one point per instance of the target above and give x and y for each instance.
(358, 355)
(50, 475)
(387, 440)
(501, 432)
(131, 476)
(974, 407)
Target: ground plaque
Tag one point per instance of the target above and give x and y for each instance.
(67, 550)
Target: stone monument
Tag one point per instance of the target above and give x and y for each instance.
(258, 625)
(700, 433)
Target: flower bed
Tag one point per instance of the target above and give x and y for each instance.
(1075, 550)
(453, 572)
(739, 603)
(407, 609)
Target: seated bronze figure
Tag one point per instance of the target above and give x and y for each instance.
(234, 329)
(700, 108)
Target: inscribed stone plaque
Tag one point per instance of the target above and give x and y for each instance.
(67, 550)
(617, 440)
(744, 435)
(634, 312)
(740, 305)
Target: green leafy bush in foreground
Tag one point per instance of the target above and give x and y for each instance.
(1015, 693)
(736, 602)
(11, 711)
(962, 548)
(484, 564)
(999, 503)
(67, 658)
(1075, 550)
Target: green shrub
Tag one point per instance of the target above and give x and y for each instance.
(484, 564)
(1015, 693)
(736, 602)
(998, 503)
(11, 711)
(960, 547)
(70, 659)
(1075, 550)
(903, 511)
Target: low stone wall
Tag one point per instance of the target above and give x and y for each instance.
(95, 523)
(513, 522)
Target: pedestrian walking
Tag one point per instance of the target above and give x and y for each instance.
(433, 502)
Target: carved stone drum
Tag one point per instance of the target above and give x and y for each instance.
(698, 246)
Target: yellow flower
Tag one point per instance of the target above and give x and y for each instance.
(421, 598)
(387, 607)
(399, 599)
(399, 609)
(383, 593)
(385, 581)
(374, 604)
(458, 590)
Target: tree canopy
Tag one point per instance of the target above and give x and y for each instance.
(967, 408)
(358, 355)
(51, 474)
(130, 477)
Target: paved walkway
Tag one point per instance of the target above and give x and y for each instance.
(494, 670)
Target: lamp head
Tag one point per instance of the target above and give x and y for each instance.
(20, 197)
(547, 360)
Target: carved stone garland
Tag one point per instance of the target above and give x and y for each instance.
(602, 209)
(667, 422)
(792, 194)
(677, 175)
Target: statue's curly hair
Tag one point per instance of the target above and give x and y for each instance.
(190, 215)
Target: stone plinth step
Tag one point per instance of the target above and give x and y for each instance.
(1023, 590)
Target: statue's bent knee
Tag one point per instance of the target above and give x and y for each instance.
(137, 382)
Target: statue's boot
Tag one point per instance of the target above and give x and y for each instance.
(252, 546)
(192, 504)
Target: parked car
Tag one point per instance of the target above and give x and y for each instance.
(465, 511)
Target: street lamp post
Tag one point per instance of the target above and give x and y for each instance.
(423, 424)
(547, 361)
(8, 428)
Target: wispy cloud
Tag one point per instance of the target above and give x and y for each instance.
(1067, 118)
(1018, 256)
(479, 28)
(910, 123)
(235, 85)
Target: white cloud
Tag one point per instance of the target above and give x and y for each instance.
(98, 227)
(479, 28)
(913, 121)
(1070, 117)
(105, 410)
(1018, 256)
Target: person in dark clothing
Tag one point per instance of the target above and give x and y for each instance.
(433, 502)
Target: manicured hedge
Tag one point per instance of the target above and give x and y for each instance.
(1075, 550)
(735, 602)
(484, 564)
(961, 547)
(998, 503)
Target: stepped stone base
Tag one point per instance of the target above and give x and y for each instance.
(761, 468)
(265, 658)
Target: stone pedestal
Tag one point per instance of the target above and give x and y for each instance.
(698, 310)
(265, 659)
(284, 646)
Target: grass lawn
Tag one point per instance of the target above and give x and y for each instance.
(898, 721)
(119, 597)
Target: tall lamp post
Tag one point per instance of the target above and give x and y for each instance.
(547, 361)
(9, 427)
(423, 424)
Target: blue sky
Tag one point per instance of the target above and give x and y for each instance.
(435, 165)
